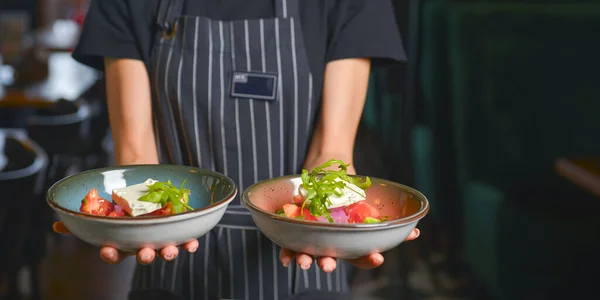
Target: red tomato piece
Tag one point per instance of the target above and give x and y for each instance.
(93, 204)
(165, 211)
(308, 216)
(295, 211)
(298, 199)
(117, 211)
(359, 211)
(106, 207)
(90, 202)
(292, 210)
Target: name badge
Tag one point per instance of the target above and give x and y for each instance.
(254, 85)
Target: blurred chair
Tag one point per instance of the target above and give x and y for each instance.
(432, 145)
(63, 130)
(22, 163)
(525, 91)
(66, 131)
(433, 150)
(390, 112)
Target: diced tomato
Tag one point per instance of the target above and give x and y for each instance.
(90, 202)
(359, 211)
(117, 211)
(165, 211)
(296, 211)
(292, 210)
(93, 204)
(106, 207)
(298, 198)
(308, 216)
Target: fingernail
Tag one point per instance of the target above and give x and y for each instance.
(146, 259)
(169, 256)
(192, 250)
(328, 269)
(379, 259)
(285, 262)
(110, 255)
(418, 233)
(305, 266)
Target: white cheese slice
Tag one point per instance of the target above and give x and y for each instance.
(128, 198)
(350, 195)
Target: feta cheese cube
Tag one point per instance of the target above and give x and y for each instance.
(128, 198)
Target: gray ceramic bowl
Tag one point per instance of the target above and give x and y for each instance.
(404, 205)
(211, 193)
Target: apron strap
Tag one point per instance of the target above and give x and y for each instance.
(286, 8)
(168, 12)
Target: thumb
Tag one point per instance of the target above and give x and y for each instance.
(59, 227)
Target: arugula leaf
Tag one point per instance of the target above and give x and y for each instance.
(166, 192)
(320, 184)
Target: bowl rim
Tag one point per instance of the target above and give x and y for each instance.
(385, 224)
(226, 200)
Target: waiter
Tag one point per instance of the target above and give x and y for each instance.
(253, 89)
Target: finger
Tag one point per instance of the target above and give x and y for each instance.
(367, 262)
(146, 256)
(59, 227)
(286, 256)
(191, 246)
(304, 261)
(414, 234)
(112, 255)
(169, 253)
(328, 264)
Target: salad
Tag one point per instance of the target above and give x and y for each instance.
(150, 198)
(332, 196)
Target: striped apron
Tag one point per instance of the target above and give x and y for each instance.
(200, 120)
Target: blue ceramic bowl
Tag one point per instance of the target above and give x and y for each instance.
(211, 193)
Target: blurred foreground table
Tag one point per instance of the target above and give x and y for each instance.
(584, 172)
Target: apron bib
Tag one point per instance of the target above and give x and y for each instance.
(235, 97)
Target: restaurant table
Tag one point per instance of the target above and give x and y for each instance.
(584, 172)
(67, 79)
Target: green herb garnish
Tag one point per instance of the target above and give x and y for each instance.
(166, 192)
(369, 220)
(320, 184)
(280, 212)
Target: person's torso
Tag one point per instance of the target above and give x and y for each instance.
(237, 97)
(320, 20)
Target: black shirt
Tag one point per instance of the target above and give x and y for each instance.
(332, 29)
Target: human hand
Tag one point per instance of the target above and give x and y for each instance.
(329, 264)
(144, 256)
